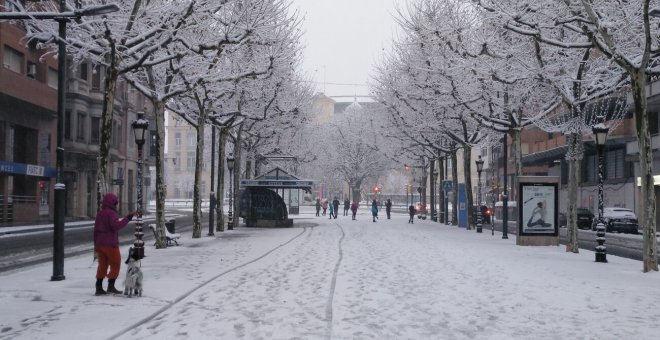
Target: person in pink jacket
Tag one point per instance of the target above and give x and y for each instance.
(106, 243)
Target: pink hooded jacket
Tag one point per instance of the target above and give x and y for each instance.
(108, 223)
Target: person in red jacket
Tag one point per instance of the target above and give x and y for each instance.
(106, 243)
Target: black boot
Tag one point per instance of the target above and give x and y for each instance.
(99, 288)
(111, 287)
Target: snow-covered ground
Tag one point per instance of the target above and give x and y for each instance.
(343, 279)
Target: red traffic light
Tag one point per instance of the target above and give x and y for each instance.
(488, 212)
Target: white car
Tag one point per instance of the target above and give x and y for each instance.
(618, 219)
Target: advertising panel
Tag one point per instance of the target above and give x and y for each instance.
(538, 204)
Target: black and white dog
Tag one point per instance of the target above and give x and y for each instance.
(133, 281)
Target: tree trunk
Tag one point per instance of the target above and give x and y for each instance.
(516, 152)
(647, 189)
(355, 189)
(467, 160)
(159, 113)
(238, 155)
(574, 159)
(441, 197)
(106, 131)
(454, 193)
(199, 159)
(222, 147)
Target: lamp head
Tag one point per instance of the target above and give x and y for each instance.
(140, 127)
(480, 164)
(600, 132)
(230, 162)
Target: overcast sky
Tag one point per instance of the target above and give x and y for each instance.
(344, 39)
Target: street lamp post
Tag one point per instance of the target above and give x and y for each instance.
(434, 179)
(140, 127)
(600, 131)
(480, 167)
(230, 167)
(505, 194)
(60, 188)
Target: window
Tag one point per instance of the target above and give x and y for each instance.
(82, 71)
(116, 134)
(177, 161)
(192, 141)
(177, 141)
(31, 70)
(97, 78)
(653, 122)
(95, 130)
(591, 168)
(52, 78)
(67, 125)
(154, 143)
(203, 188)
(80, 130)
(190, 163)
(13, 60)
(614, 164)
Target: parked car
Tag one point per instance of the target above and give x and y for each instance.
(621, 220)
(486, 214)
(585, 218)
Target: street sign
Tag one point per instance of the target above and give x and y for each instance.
(118, 181)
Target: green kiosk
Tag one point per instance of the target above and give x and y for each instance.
(264, 199)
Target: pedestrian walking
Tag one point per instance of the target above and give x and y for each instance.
(411, 211)
(318, 206)
(331, 210)
(374, 210)
(347, 206)
(335, 202)
(388, 207)
(106, 243)
(325, 206)
(354, 208)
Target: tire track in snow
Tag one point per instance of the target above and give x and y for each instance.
(194, 289)
(331, 296)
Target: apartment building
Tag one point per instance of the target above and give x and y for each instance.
(28, 134)
(180, 156)
(28, 126)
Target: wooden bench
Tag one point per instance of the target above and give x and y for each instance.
(170, 238)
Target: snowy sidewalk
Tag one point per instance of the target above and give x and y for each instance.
(343, 279)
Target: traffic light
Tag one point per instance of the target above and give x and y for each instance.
(376, 189)
(406, 167)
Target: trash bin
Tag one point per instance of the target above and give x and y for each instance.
(170, 226)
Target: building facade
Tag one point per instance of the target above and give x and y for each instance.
(28, 134)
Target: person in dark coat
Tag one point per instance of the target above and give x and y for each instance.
(318, 206)
(388, 208)
(335, 202)
(412, 211)
(374, 210)
(106, 243)
(347, 205)
(325, 206)
(354, 208)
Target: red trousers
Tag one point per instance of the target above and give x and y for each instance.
(108, 257)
